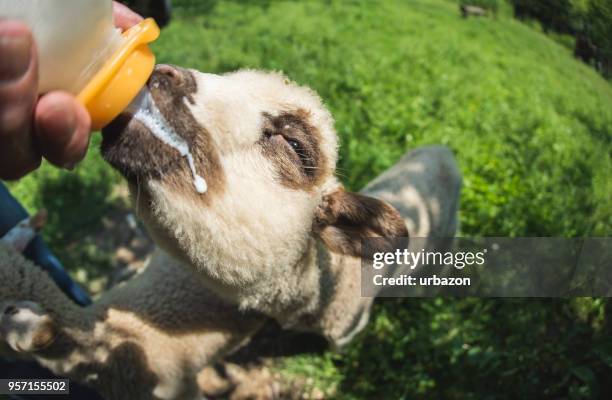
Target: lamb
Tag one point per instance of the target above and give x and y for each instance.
(275, 236)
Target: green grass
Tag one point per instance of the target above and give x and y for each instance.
(531, 128)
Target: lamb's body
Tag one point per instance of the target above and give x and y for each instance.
(146, 339)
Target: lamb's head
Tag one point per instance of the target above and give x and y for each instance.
(267, 149)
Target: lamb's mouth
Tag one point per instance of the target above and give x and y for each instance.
(130, 148)
(134, 146)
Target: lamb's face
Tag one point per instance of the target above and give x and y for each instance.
(266, 148)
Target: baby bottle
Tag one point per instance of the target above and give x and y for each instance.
(80, 51)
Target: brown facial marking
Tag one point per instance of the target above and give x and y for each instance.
(130, 147)
(294, 146)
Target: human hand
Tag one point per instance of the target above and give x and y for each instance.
(54, 126)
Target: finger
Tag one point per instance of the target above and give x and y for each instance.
(62, 129)
(18, 86)
(124, 17)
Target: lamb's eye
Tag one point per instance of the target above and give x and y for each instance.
(267, 133)
(295, 145)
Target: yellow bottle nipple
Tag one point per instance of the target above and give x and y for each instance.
(122, 76)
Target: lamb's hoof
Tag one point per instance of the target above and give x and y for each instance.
(26, 327)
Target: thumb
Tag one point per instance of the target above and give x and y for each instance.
(124, 17)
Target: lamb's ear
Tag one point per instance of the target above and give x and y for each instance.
(343, 219)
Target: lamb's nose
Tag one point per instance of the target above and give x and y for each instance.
(170, 71)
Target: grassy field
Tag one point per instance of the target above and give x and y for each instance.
(531, 128)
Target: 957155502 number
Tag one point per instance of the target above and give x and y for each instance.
(34, 386)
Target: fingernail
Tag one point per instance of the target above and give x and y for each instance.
(15, 52)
